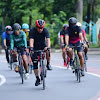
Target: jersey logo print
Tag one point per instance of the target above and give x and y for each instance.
(75, 32)
(18, 39)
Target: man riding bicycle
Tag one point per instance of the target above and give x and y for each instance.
(85, 40)
(39, 40)
(6, 41)
(73, 36)
(62, 39)
(25, 28)
(18, 41)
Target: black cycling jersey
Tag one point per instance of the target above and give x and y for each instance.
(62, 34)
(39, 38)
(73, 32)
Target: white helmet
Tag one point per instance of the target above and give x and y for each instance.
(78, 24)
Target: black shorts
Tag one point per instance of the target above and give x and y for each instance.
(79, 49)
(22, 50)
(35, 57)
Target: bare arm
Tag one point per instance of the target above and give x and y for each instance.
(85, 38)
(66, 39)
(4, 41)
(48, 42)
(31, 42)
(81, 37)
(62, 40)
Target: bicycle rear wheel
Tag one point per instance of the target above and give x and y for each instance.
(77, 69)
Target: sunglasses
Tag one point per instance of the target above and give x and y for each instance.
(16, 30)
(40, 27)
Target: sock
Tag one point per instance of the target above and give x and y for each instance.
(26, 71)
(47, 63)
(37, 77)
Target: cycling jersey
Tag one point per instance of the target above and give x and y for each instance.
(18, 40)
(73, 32)
(84, 33)
(7, 37)
(62, 34)
(39, 38)
(27, 36)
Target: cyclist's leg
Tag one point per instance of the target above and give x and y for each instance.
(25, 63)
(35, 64)
(48, 56)
(64, 56)
(86, 50)
(80, 54)
(14, 55)
(7, 55)
(70, 54)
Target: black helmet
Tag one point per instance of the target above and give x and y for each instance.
(72, 20)
(16, 26)
(65, 25)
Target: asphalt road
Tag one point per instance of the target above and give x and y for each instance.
(61, 83)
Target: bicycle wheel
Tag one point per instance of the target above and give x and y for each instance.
(77, 69)
(85, 67)
(21, 71)
(43, 73)
(10, 62)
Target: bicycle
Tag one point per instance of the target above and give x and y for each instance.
(76, 65)
(30, 62)
(67, 61)
(42, 65)
(20, 66)
(85, 67)
(10, 58)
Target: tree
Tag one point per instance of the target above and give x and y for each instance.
(79, 10)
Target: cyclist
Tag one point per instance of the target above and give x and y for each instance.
(25, 28)
(39, 40)
(6, 40)
(62, 38)
(18, 41)
(85, 40)
(73, 36)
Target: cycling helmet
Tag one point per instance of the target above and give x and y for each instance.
(16, 26)
(65, 25)
(8, 28)
(25, 26)
(40, 23)
(78, 24)
(72, 20)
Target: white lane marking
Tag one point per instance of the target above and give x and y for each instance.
(86, 72)
(3, 80)
(70, 69)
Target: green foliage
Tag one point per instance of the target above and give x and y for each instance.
(54, 12)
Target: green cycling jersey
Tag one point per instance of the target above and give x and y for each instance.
(18, 40)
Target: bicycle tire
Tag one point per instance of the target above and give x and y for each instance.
(21, 70)
(85, 67)
(43, 74)
(78, 73)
